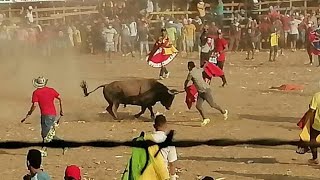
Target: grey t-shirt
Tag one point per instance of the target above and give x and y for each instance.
(195, 75)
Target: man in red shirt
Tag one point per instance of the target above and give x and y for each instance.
(45, 97)
(221, 47)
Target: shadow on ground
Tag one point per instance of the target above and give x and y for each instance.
(235, 160)
(269, 118)
(266, 176)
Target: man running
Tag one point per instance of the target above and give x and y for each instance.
(204, 92)
(45, 97)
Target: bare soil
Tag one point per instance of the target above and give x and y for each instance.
(255, 112)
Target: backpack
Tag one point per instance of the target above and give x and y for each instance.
(146, 163)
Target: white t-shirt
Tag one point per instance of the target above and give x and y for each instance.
(133, 29)
(169, 153)
(30, 16)
(150, 6)
(294, 24)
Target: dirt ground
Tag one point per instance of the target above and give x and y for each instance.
(255, 112)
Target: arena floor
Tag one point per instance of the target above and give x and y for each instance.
(255, 112)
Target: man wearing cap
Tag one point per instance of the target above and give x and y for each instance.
(34, 161)
(45, 97)
(72, 173)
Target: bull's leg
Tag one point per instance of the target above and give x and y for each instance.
(143, 109)
(115, 109)
(151, 112)
(109, 110)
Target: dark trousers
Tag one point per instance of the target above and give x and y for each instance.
(220, 64)
(163, 71)
(313, 139)
(204, 57)
(273, 51)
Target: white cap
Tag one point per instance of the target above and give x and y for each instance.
(30, 7)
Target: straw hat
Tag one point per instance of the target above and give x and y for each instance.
(39, 82)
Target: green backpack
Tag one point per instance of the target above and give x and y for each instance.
(138, 161)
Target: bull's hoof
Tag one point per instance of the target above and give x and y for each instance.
(137, 116)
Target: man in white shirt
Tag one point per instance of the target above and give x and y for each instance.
(133, 33)
(109, 34)
(149, 7)
(169, 153)
(294, 32)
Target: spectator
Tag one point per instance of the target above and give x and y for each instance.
(133, 33)
(34, 161)
(235, 35)
(201, 6)
(72, 173)
(29, 15)
(294, 32)
(207, 46)
(213, 29)
(302, 31)
(143, 36)
(250, 34)
(286, 27)
(150, 7)
(313, 116)
(126, 41)
(169, 153)
(314, 19)
(190, 35)
(172, 33)
(109, 35)
(274, 43)
(179, 26)
(221, 47)
(117, 39)
(219, 14)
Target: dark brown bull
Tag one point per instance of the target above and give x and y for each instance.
(141, 92)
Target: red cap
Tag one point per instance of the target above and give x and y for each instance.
(73, 171)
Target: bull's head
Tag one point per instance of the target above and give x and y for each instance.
(168, 98)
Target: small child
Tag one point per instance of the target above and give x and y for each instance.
(274, 43)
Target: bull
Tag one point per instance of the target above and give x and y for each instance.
(141, 92)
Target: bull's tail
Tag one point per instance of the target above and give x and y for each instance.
(84, 87)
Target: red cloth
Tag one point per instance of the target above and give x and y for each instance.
(45, 98)
(303, 121)
(191, 95)
(212, 70)
(313, 38)
(219, 46)
(73, 171)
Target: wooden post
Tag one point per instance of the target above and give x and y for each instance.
(188, 6)
(37, 15)
(64, 13)
(172, 7)
(305, 7)
(9, 12)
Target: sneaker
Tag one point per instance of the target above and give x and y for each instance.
(205, 122)
(313, 161)
(43, 153)
(225, 115)
(167, 75)
(161, 78)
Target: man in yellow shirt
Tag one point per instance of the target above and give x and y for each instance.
(274, 43)
(190, 34)
(314, 115)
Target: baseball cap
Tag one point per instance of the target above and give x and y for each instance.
(73, 171)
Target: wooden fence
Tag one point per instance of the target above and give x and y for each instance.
(43, 15)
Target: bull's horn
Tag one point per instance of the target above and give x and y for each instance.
(174, 91)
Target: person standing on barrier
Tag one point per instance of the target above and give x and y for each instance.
(204, 92)
(314, 115)
(45, 97)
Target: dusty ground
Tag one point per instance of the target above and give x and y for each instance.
(255, 112)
